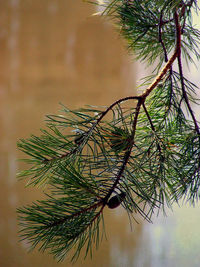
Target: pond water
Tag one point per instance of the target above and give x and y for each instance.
(54, 51)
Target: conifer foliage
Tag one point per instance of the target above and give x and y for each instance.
(142, 152)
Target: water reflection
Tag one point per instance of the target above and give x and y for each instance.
(54, 51)
(171, 241)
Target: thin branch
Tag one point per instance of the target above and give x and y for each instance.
(170, 61)
(103, 114)
(161, 23)
(152, 126)
(68, 217)
(161, 74)
(160, 36)
(127, 153)
(148, 117)
(185, 96)
(114, 104)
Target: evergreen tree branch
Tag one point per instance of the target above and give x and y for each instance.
(142, 157)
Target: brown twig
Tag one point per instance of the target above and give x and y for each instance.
(78, 213)
(127, 153)
(160, 36)
(161, 23)
(185, 96)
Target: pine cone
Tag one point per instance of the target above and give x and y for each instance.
(115, 201)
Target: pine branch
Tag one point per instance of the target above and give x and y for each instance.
(143, 157)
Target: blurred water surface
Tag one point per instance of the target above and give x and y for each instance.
(54, 51)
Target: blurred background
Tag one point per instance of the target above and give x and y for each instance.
(51, 52)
